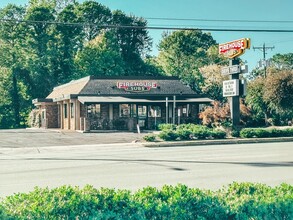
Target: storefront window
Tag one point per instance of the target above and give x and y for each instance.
(133, 110)
(127, 110)
(154, 111)
(94, 110)
(71, 110)
(124, 110)
(65, 110)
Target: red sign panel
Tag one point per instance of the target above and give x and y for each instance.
(140, 86)
(234, 48)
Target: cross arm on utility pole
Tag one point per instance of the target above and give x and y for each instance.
(264, 50)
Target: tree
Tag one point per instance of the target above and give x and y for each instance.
(134, 43)
(12, 62)
(40, 42)
(94, 15)
(255, 101)
(278, 91)
(283, 61)
(182, 53)
(100, 57)
(213, 82)
(69, 40)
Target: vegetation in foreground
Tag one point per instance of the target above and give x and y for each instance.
(171, 132)
(237, 201)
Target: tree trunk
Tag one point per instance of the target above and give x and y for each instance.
(15, 100)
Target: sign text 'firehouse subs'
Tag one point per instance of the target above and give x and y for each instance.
(139, 86)
(234, 48)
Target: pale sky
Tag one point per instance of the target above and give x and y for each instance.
(252, 10)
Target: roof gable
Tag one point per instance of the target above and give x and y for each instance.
(73, 87)
(108, 86)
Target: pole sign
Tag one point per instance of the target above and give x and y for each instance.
(234, 48)
(231, 87)
(234, 69)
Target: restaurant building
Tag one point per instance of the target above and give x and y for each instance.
(115, 103)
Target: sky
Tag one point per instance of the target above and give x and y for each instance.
(216, 10)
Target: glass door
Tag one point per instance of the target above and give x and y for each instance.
(142, 116)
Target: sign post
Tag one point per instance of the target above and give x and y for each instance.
(232, 50)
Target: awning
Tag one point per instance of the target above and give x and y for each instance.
(119, 99)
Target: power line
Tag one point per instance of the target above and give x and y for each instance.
(146, 27)
(220, 20)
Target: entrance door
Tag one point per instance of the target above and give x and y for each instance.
(142, 116)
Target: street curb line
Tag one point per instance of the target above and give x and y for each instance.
(215, 142)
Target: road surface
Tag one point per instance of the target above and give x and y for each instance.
(131, 166)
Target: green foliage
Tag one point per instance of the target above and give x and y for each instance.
(38, 56)
(279, 91)
(270, 99)
(182, 53)
(235, 133)
(150, 138)
(283, 61)
(107, 62)
(166, 127)
(183, 133)
(168, 135)
(237, 201)
(218, 134)
(262, 133)
(201, 132)
(189, 132)
(258, 201)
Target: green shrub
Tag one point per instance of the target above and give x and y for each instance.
(218, 134)
(201, 132)
(168, 135)
(235, 133)
(263, 133)
(248, 132)
(288, 132)
(162, 127)
(183, 133)
(150, 137)
(237, 201)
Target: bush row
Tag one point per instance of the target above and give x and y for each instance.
(238, 201)
(189, 132)
(263, 133)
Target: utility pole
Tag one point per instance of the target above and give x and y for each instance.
(264, 50)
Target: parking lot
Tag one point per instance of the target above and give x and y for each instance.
(18, 138)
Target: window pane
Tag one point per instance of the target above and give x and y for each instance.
(133, 110)
(72, 110)
(94, 110)
(65, 110)
(124, 110)
(154, 111)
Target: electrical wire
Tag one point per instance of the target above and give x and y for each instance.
(146, 27)
(219, 20)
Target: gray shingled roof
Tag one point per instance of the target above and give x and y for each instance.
(108, 86)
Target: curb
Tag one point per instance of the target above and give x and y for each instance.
(215, 142)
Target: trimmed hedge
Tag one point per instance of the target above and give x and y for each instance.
(237, 201)
(263, 133)
(150, 137)
(189, 132)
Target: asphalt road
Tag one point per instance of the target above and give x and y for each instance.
(19, 138)
(131, 166)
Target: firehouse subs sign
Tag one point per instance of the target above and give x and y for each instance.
(139, 86)
(234, 48)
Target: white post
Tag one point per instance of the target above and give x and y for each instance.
(174, 108)
(167, 110)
